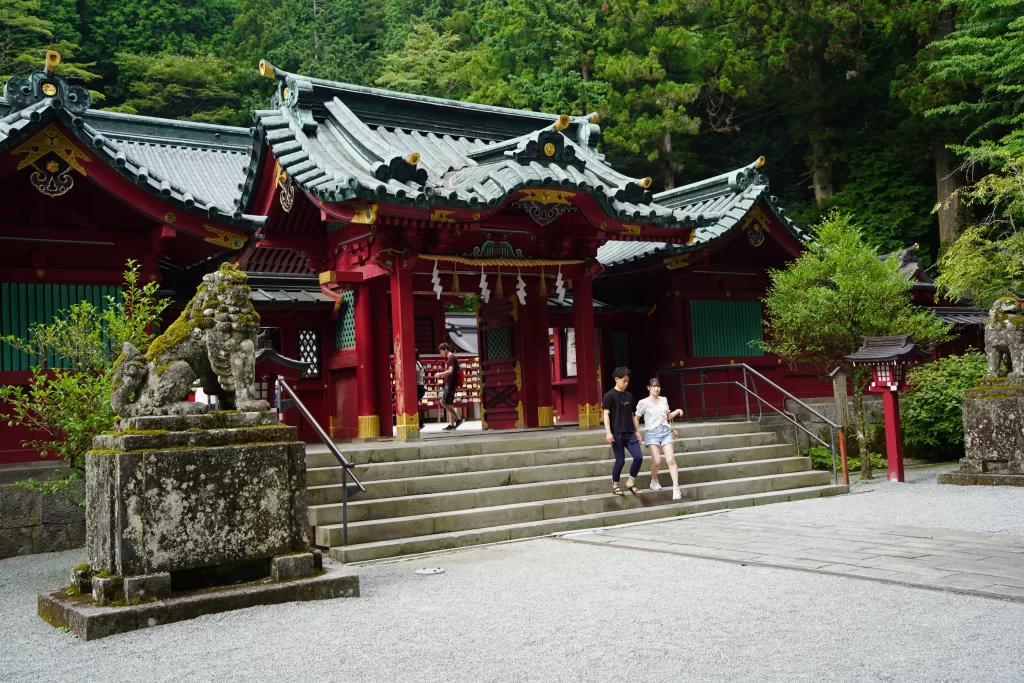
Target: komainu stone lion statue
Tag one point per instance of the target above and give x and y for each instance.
(214, 339)
(1004, 338)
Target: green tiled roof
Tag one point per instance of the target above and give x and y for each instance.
(721, 203)
(195, 166)
(471, 160)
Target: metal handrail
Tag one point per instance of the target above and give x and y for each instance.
(835, 430)
(346, 466)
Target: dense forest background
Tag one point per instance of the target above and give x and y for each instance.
(855, 104)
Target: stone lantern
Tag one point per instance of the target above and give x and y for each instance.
(888, 358)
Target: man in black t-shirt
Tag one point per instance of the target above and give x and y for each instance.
(622, 429)
(450, 378)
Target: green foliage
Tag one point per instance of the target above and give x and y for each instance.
(932, 410)
(197, 88)
(820, 308)
(28, 29)
(821, 459)
(987, 261)
(429, 64)
(68, 407)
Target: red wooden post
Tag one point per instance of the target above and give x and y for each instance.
(407, 412)
(893, 435)
(366, 380)
(541, 376)
(588, 396)
(382, 353)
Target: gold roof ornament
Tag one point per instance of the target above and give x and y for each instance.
(645, 182)
(760, 162)
(266, 70)
(562, 123)
(52, 60)
(413, 159)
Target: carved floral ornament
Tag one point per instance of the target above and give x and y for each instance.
(52, 156)
(756, 226)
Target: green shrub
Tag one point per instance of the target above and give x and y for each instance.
(821, 459)
(932, 410)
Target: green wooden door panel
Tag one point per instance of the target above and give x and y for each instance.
(24, 304)
(721, 329)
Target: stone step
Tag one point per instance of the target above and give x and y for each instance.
(441, 521)
(364, 454)
(155, 440)
(362, 552)
(414, 486)
(493, 461)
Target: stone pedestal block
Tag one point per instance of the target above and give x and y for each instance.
(175, 493)
(147, 587)
(993, 435)
(297, 566)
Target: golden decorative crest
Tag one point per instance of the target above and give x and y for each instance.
(630, 229)
(549, 150)
(677, 261)
(756, 225)
(50, 140)
(284, 181)
(224, 238)
(547, 196)
(365, 214)
(170, 217)
(441, 216)
(519, 381)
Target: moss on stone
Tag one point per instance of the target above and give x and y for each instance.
(85, 566)
(142, 432)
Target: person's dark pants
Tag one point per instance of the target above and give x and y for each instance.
(421, 391)
(624, 441)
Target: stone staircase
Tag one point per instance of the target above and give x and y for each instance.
(460, 491)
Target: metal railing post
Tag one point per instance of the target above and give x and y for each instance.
(832, 441)
(344, 506)
(746, 392)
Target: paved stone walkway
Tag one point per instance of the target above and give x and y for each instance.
(960, 561)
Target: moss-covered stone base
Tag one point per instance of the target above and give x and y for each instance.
(89, 622)
(970, 479)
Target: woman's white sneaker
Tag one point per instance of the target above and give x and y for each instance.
(676, 495)
(655, 486)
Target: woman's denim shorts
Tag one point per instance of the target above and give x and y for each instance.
(659, 436)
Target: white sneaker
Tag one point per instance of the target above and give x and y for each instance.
(655, 486)
(676, 494)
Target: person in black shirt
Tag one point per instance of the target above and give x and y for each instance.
(450, 377)
(622, 429)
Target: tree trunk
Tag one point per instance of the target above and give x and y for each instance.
(947, 181)
(859, 424)
(821, 161)
(668, 172)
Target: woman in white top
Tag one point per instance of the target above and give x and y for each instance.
(659, 435)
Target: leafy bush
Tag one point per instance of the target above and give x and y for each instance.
(821, 459)
(67, 407)
(932, 410)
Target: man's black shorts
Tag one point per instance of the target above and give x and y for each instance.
(448, 396)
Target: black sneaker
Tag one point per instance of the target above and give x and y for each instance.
(458, 423)
(450, 427)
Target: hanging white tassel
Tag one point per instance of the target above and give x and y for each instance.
(485, 293)
(521, 289)
(560, 286)
(435, 277)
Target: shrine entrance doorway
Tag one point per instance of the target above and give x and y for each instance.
(500, 371)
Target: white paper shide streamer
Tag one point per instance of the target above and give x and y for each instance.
(436, 279)
(521, 289)
(485, 293)
(560, 286)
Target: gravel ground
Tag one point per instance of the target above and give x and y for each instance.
(543, 610)
(919, 501)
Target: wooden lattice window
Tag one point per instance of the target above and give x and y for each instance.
(499, 343)
(345, 323)
(309, 352)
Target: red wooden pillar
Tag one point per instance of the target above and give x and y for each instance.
(407, 413)
(366, 381)
(541, 374)
(588, 395)
(381, 352)
(893, 435)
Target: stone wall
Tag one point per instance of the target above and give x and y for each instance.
(31, 522)
(787, 433)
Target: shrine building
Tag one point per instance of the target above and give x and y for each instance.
(361, 215)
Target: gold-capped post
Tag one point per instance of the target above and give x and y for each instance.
(413, 159)
(646, 182)
(760, 162)
(52, 60)
(562, 123)
(266, 70)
